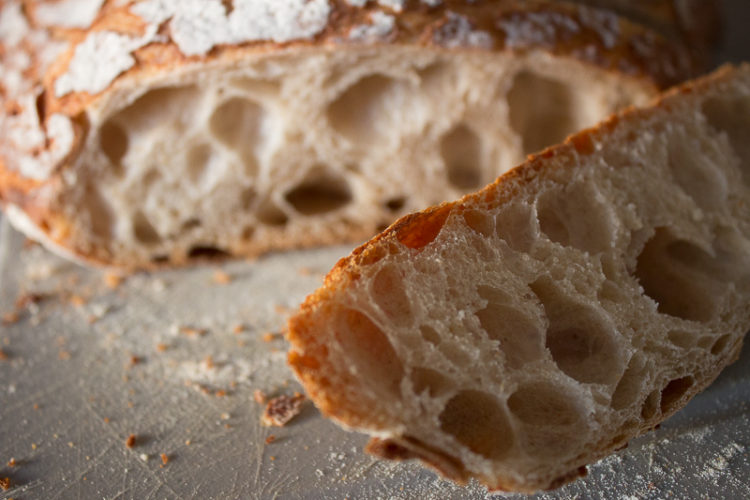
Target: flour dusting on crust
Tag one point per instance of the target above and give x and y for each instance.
(68, 13)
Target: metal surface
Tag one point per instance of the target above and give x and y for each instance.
(160, 357)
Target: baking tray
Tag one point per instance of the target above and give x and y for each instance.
(175, 359)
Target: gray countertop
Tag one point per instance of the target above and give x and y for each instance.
(163, 357)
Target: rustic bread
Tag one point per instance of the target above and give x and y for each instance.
(168, 130)
(537, 325)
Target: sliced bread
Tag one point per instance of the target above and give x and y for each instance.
(536, 326)
(154, 132)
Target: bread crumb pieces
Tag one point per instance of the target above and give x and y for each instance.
(221, 278)
(10, 318)
(12, 462)
(5, 483)
(208, 362)
(106, 420)
(134, 360)
(191, 332)
(70, 444)
(77, 300)
(238, 328)
(36, 406)
(282, 409)
(224, 416)
(220, 393)
(188, 442)
(269, 336)
(112, 280)
(164, 458)
(130, 441)
(64, 355)
(272, 458)
(270, 439)
(33, 446)
(161, 347)
(144, 457)
(4, 355)
(259, 396)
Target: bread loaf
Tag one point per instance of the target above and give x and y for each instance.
(536, 326)
(154, 132)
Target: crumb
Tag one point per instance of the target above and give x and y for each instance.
(12, 462)
(270, 439)
(134, 360)
(5, 483)
(36, 406)
(209, 362)
(259, 396)
(160, 347)
(220, 393)
(282, 409)
(130, 404)
(70, 444)
(272, 458)
(190, 331)
(106, 420)
(164, 458)
(92, 319)
(77, 300)
(33, 446)
(10, 318)
(130, 441)
(144, 457)
(188, 442)
(64, 355)
(269, 336)
(227, 426)
(221, 278)
(224, 416)
(239, 328)
(4, 355)
(112, 280)
(28, 299)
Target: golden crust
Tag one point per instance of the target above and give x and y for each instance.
(308, 355)
(656, 59)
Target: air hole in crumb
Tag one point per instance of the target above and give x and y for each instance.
(682, 338)
(114, 144)
(270, 214)
(173, 106)
(573, 215)
(388, 292)
(160, 259)
(143, 231)
(197, 161)
(238, 123)
(207, 252)
(99, 212)
(721, 344)
(191, 223)
(695, 173)
(731, 115)
(481, 222)
(477, 421)
(247, 232)
(650, 405)
(369, 349)
(516, 224)
(395, 204)
(366, 111)
(666, 270)
(247, 198)
(549, 417)
(519, 336)
(461, 149)
(421, 229)
(579, 337)
(630, 385)
(542, 111)
(435, 76)
(431, 381)
(429, 334)
(673, 393)
(320, 193)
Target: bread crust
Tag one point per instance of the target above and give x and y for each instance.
(53, 115)
(308, 354)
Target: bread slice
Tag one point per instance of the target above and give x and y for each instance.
(536, 326)
(170, 130)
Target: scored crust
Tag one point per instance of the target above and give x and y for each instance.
(646, 244)
(65, 74)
